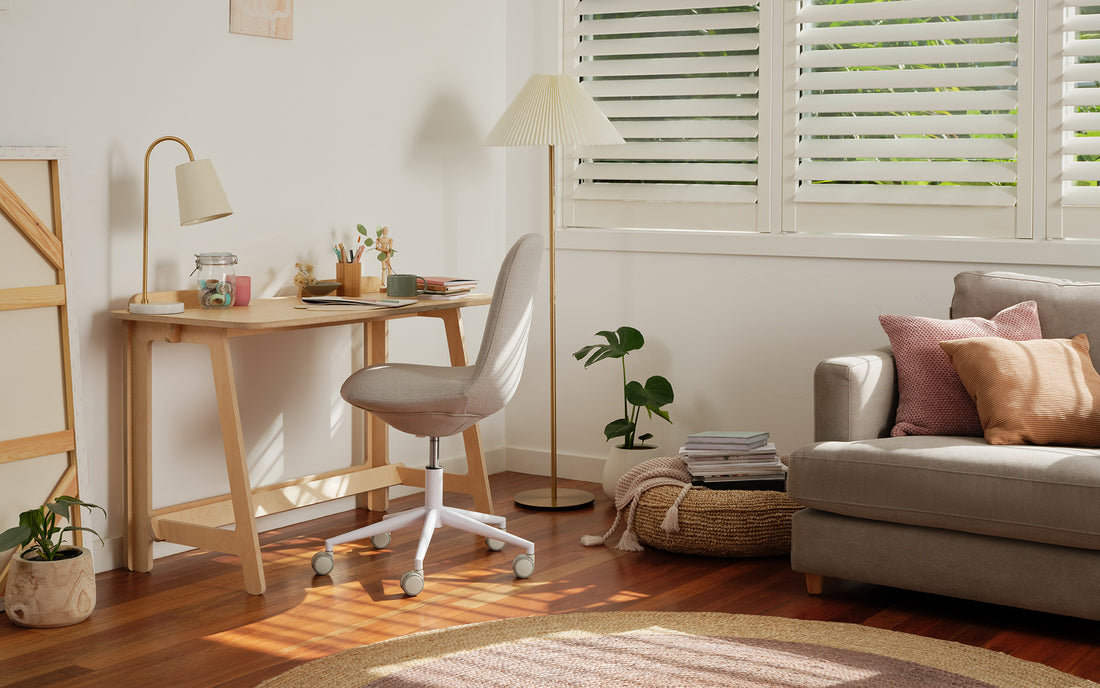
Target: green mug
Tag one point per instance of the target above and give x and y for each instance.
(404, 286)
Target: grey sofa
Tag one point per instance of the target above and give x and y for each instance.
(1010, 524)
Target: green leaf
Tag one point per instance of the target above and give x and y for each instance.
(630, 339)
(71, 528)
(378, 231)
(611, 337)
(659, 412)
(368, 241)
(59, 507)
(643, 438)
(13, 537)
(602, 353)
(381, 257)
(583, 351)
(636, 394)
(618, 428)
(362, 230)
(659, 390)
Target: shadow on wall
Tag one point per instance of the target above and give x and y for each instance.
(448, 146)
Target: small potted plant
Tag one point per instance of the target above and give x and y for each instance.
(50, 583)
(651, 396)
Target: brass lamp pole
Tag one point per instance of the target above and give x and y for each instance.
(552, 110)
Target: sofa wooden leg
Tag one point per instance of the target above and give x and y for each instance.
(815, 583)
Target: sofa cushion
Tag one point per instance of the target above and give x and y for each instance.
(1045, 391)
(931, 398)
(1066, 308)
(1045, 494)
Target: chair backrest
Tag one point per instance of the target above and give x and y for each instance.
(504, 343)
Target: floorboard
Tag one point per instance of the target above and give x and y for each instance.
(189, 621)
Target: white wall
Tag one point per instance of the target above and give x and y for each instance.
(374, 113)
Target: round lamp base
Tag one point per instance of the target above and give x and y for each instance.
(566, 499)
(162, 308)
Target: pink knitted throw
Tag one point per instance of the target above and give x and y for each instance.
(663, 471)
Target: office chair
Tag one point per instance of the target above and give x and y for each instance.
(439, 401)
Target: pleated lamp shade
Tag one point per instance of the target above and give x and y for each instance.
(552, 110)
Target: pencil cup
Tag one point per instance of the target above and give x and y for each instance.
(349, 275)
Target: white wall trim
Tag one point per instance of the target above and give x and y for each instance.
(1057, 252)
(571, 466)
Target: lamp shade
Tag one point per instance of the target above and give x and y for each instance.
(200, 194)
(553, 109)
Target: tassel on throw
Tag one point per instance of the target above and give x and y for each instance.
(671, 522)
(591, 540)
(629, 542)
(660, 471)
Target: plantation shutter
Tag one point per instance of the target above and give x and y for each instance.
(907, 102)
(680, 81)
(1081, 104)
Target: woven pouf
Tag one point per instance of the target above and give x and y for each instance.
(718, 523)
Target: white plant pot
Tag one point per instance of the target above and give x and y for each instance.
(620, 461)
(48, 594)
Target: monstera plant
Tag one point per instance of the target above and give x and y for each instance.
(651, 396)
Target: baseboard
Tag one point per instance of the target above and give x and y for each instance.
(570, 466)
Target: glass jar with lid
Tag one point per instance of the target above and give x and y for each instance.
(217, 278)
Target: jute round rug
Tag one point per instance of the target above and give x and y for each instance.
(666, 649)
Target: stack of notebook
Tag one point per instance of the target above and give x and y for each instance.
(448, 286)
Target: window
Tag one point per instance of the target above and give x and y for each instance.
(1079, 113)
(933, 118)
(680, 80)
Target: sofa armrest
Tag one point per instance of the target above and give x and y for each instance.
(855, 396)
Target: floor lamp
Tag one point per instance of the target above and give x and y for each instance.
(553, 110)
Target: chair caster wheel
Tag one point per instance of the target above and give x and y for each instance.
(412, 583)
(494, 545)
(523, 565)
(381, 541)
(323, 563)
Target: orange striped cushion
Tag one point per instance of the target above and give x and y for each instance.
(1042, 391)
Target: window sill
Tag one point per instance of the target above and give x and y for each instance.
(1058, 252)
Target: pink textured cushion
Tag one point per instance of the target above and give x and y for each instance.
(931, 398)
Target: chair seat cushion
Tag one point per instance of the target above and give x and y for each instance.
(417, 399)
(1044, 494)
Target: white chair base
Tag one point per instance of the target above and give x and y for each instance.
(433, 515)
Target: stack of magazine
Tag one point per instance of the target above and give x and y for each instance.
(733, 460)
(448, 286)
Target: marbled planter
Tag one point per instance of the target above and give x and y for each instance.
(48, 594)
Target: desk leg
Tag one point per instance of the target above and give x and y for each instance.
(476, 480)
(247, 541)
(138, 404)
(375, 334)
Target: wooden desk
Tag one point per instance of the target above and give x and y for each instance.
(198, 523)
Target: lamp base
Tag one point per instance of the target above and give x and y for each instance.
(162, 308)
(566, 499)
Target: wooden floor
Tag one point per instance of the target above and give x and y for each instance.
(189, 622)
